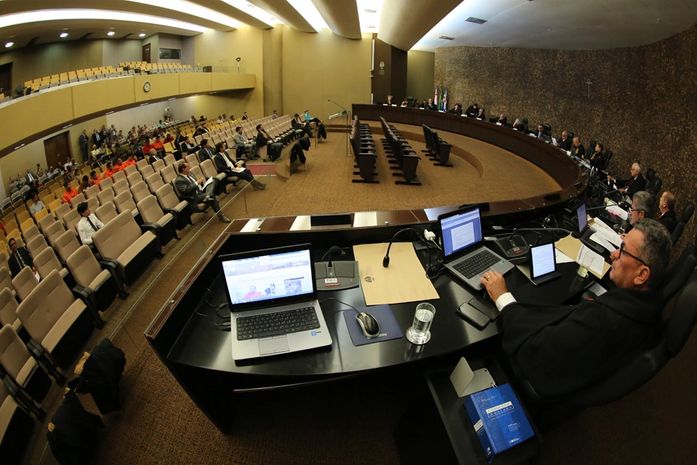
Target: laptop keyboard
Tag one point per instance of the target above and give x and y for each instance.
(477, 263)
(276, 324)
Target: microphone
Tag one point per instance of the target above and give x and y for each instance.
(386, 258)
(331, 253)
(340, 106)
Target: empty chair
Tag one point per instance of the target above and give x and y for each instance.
(168, 173)
(70, 219)
(146, 171)
(118, 176)
(154, 182)
(55, 320)
(47, 261)
(31, 233)
(171, 204)
(16, 428)
(93, 203)
(24, 282)
(36, 244)
(6, 278)
(53, 231)
(105, 196)
(22, 215)
(130, 169)
(91, 192)
(154, 219)
(192, 160)
(134, 178)
(687, 212)
(121, 187)
(10, 225)
(60, 212)
(77, 200)
(169, 159)
(45, 222)
(124, 202)
(98, 287)
(66, 244)
(140, 164)
(157, 165)
(8, 310)
(40, 214)
(26, 224)
(106, 212)
(105, 184)
(209, 171)
(139, 191)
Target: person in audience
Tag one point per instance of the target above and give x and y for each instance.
(274, 115)
(200, 130)
(158, 145)
(84, 143)
(186, 147)
(299, 125)
(577, 149)
(308, 118)
(390, 100)
(69, 192)
(597, 157)
(430, 105)
(502, 120)
(152, 156)
(563, 349)
(472, 110)
(19, 258)
(31, 180)
(263, 137)
(634, 183)
(666, 211)
(38, 205)
(457, 109)
(405, 103)
(202, 119)
(84, 184)
(480, 114)
(244, 145)
(206, 151)
(40, 171)
(224, 164)
(642, 206)
(192, 190)
(541, 133)
(97, 138)
(109, 171)
(564, 141)
(88, 224)
(245, 116)
(94, 178)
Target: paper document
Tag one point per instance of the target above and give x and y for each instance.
(404, 280)
(590, 260)
(617, 211)
(205, 184)
(570, 246)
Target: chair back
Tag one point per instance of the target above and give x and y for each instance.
(105, 196)
(24, 282)
(677, 275)
(157, 165)
(139, 191)
(167, 197)
(150, 210)
(47, 261)
(687, 212)
(168, 173)
(30, 233)
(105, 184)
(681, 321)
(83, 266)
(15, 358)
(42, 308)
(78, 199)
(60, 212)
(134, 178)
(124, 202)
(36, 245)
(5, 278)
(91, 191)
(677, 232)
(106, 212)
(208, 168)
(154, 182)
(66, 244)
(71, 219)
(8, 307)
(121, 187)
(147, 170)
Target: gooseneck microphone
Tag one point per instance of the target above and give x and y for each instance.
(386, 258)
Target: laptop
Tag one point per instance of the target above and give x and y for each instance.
(273, 302)
(464, 255)
(543, 264)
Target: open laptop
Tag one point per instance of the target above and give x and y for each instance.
(464, 255)
(543, 263)
(273, 302)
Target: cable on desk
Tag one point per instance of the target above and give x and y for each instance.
(341, 302)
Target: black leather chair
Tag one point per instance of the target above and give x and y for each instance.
(678, 273)
(687, 212)
(677, 232)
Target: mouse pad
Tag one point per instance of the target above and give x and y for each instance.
(389, 328)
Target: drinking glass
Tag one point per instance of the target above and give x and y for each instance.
(420, 330)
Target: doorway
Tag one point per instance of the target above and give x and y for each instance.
(6, 79)
(57, 149)
(146, 53)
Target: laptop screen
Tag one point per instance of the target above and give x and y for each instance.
(460, 230)
(268, 275)
(542, 260)
(582, 217)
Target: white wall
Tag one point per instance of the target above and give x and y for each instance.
(118, 51)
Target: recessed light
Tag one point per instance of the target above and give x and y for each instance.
(63, 35)
(110, 33)
(9, 44)
(141, 35)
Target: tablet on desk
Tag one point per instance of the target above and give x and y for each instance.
(543, 264)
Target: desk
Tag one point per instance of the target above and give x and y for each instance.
(186, 339)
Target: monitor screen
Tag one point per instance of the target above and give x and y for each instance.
(268, 276)
(542, 260)
(582, 217)
(460, 230)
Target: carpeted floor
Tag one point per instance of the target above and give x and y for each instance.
(352, 422)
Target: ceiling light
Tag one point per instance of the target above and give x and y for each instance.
(141, 35)
(9, 44)
(369, 12)
(63, 35)
(80, 13)
(193, 9)
(254, 11)
(110, 33)
(308, 11)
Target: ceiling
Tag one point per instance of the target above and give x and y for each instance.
(406, 24)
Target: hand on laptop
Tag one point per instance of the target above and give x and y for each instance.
(495, 284)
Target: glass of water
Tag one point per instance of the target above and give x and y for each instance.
(420, 330)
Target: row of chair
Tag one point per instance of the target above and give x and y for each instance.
(437, 149)
(363, 146)
(400, 154)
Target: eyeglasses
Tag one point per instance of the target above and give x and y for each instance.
(637, 210)
(624, 251)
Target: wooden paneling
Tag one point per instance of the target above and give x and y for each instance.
(102, 95)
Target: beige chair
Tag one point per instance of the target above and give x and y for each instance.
(170, 203)
(26, 224)
(106, 212)
(61, 211)
(134, 178)
(47, 261)
(169, 159)
(24, 282)
(139, 191)
(30, 233)
(154, 182)
(97, 287)
(124, 202)
(106, 196)
(8, 310)
(162, 224)
(168, 173)
(209, 171)
(78, 199)
(22, 215)
(91, 192)
(121, 186)
(146, 171)
(142, 163)
(105, 184)
(157, 165)
(118, 176)
(40, 214)
(192, 160)
(70, 219)
(45, 222)
(130, 169)
(55, 320)
(66, 244)
(122, 242)
(36, 245)
(53, 231)
(93, 204)
(16, 427)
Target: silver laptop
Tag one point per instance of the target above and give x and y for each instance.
(273, 302)
(464, 255)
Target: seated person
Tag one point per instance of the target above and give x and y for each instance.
(158, 145)
(597, 156)
(245, 116)
(480, 114)
(206, 151)
(666, 211)
(430, 105)
(243, 145)
(300, 126)
(634, 183)
(577, 149)
(84, 183)
(88, 224)
(564, 141)
(472, 110)
(263, 137)
(563, 349)
(19, 258)
(186, 146)
(457, 109)
(541, 134)
(38, 205)
(94, 178)
(642, 206)
(390, 100)
(224, 164)
(69, 192)
(309, 118)
(109, 171)
(192, 190)
(405, 103)
(520, 124)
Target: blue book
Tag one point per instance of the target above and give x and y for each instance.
(498, 419)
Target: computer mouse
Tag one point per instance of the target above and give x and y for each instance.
(369, 325)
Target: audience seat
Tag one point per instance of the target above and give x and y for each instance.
(168, 173)
(105, 184)
(140, 191)
(6, 279)
(121, 241)
(124, 202)
(157, 165)
(171, 204)
(105, 196)
(45, 222)
(118, 176)
(66, 244)
(121, 186)
(208, 170)
(24, 282)
(146, 171)
(93, 204)
(59, 324)
(8, 310)
(47, 261)
(170, 159)
(91, 191)
(154, 182)
(36, 245)
(97, 286)
(16, 428)
(162, 224)
(30, 233)
(106, 212)
(61, 211)
(70, 219)
(134, 178)
(77, 200)
(53, 231)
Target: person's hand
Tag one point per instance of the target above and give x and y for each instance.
(201, 181)
(494, 283)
